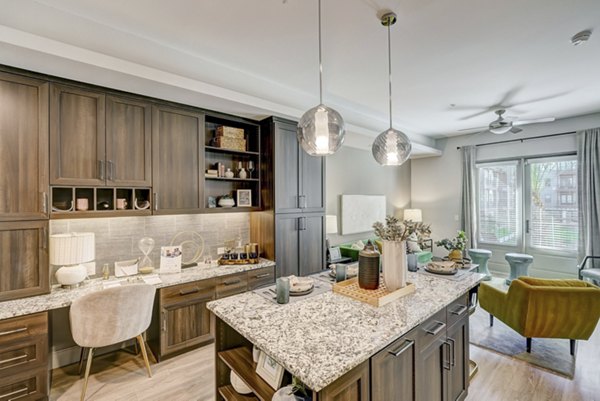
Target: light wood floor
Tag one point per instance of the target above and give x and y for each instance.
(190, 377)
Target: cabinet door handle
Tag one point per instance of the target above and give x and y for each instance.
(44, 202)
(111, 170)
(164, 321)
(232, 282)
(440, 327)
(459, 311)
(6, 395)
(16, 358)
(262, 275)
(155, 200)
(302, 201)
(101, 169)
(452, 343)
(446, 362)
(14, 331)
(407, 344)
(44, 238)
(302, 223)
(188, 292)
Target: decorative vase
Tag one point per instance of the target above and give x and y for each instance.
(242, 174)
(394, 264)
(285, 394)
(226, 202)
(455, 254)
(229, 173)
(368, 268)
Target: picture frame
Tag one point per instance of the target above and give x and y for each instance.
(212, 202)
(335, 253)
(269, 370)
(244, 198)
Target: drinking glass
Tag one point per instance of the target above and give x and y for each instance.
(282, 287)
(250, 168)
(340, 272)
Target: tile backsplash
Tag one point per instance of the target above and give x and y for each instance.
(117, 237)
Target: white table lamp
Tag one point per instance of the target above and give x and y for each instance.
(70, 251)
(413, 215)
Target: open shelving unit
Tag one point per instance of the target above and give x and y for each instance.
(218, 186)
(102, 201)
(240, 361)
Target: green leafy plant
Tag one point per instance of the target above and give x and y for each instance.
(458, 243)
(396, 230)
(298, 387)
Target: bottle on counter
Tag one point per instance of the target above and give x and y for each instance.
(105, 271)
(368, 267)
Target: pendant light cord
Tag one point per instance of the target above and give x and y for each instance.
(320, 60)
(389, 67)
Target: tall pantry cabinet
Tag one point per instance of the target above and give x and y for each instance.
(291, 226)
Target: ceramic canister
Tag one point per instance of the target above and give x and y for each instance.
(368, 267)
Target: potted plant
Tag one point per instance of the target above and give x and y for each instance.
(456, 245)
(393, 251)
(293, 392)
(226, 201)
(414, 244)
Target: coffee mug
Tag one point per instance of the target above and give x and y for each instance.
(82, 204)
(121, 203)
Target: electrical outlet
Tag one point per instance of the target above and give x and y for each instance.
(91, 268)
(220, 250)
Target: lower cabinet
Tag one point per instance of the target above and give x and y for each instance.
(24, 358)
(353, 386)
(181, 320)
(299, 243)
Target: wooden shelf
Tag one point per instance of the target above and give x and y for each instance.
(230, 151)
(230, 394)
(240, 360)
(231, 179)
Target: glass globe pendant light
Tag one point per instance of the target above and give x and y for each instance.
(321, 129)
(391, 147)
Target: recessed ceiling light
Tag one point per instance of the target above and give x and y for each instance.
(581, 37)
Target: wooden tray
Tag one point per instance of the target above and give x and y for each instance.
(378, 297)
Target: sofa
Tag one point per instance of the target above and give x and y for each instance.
(544, 308)
(348, 251)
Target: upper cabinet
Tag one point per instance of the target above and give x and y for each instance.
(23, 148)
(128, 142)
(96, 139)
(178, 146)
(298, 179)
(77, 137)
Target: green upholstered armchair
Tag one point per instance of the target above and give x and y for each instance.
(544, 308)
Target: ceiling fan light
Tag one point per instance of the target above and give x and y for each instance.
(391, 148)
(321, 131)
(500, 130)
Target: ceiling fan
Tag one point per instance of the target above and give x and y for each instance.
(502, 125)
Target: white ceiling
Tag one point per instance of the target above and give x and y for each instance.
(259, 57)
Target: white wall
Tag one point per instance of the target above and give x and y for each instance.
(352, 171)
(436, 182)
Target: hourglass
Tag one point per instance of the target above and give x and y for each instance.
(146, 245)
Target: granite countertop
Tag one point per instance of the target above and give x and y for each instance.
(321, 338)
(60, 297)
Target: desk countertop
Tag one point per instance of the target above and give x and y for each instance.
(60, 297)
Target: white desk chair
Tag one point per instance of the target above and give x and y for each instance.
(112, 316)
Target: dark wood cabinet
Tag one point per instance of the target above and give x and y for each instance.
(431, 371)
(128, 142)
(312, 182)
(458, 380)
(393, 370)
(24, 358)
(23, 259)
(77, 136)
(353, 386)
(23, 148)
(299, 243)
(177, 148)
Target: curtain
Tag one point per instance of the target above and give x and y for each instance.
(588, 173)
(468, 217)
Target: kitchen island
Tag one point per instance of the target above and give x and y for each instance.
(342, 349)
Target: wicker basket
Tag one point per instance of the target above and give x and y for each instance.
(378, 297)
(230, 143)
(230, 132)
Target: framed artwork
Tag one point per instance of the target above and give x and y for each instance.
(212, 202)
(269, 370)
(244, 198)
(335, 253)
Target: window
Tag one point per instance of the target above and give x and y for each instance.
(497, 203)
(529, 204)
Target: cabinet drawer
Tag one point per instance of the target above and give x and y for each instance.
(457, 309)
(22, 328)
(260, 277)
(24, 356)
(186, 292)
(231, 284)
(26, 386)
(432, 329)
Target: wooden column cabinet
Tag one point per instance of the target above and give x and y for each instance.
(177, 148)
(312, 182)
(353, 386)
(23, 259)
(23, 148)
(393, 370)
(77, 136)
(128, 142)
